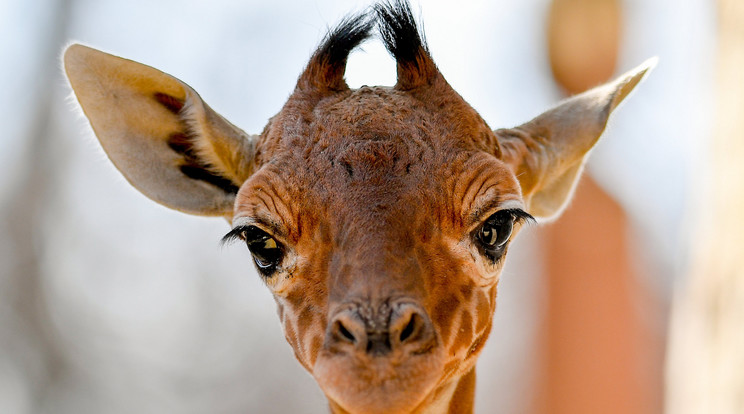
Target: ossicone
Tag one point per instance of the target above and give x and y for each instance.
(398, 31)
(407, 44)
(325, 72)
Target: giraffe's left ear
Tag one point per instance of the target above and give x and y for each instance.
(548, 153)
(166, 141)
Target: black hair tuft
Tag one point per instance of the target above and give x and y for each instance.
(326, 67)
(404, 40)
(344, 37)
(399, 31)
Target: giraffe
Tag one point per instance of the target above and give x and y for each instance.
(379, 218)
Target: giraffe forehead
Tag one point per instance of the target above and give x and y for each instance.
(374, 157)
(433, 117)
(379, 181)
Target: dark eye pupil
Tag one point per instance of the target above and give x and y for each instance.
(265, 250)
(488, 235)
(496, 231)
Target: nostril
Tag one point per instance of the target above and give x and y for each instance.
(345, 331)
(410, 327)
(340, 328)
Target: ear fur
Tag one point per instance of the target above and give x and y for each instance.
(159, 133)
(548, 153)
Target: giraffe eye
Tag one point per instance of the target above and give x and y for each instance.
(267, 253)
(494, 234)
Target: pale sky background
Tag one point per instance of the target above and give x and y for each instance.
(145, 310)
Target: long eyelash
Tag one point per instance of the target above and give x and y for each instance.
(234, 235)
(521, 216)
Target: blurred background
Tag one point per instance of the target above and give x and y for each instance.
(110, 303)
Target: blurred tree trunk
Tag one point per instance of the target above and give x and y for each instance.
(597, 354)
(26, 336)
(706, 363)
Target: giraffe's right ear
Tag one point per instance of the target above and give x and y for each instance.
(548, 153)
(160, 134)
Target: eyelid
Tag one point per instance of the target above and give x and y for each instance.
(514, 207)
(520, 216)
(242, 224)
(486, 207)
(235, 234)
(271, 227)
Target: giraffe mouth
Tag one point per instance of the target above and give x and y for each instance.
(366, 383)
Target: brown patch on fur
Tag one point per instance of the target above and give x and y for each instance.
(316, 343)
(467, 292)
(305, 321)
(450, 368)
(465, 332)
(463, 399)
(482, 310)
(444, 315)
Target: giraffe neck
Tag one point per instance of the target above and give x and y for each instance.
(455, 397)
(463, 397)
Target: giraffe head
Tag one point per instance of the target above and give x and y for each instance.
(379, 217)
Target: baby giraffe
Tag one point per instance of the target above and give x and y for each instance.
(379, 217)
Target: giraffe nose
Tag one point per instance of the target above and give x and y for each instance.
(378, 331)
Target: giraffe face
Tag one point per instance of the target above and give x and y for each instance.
(381, 231)
(378, 217)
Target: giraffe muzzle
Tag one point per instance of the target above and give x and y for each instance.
(390, 328)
